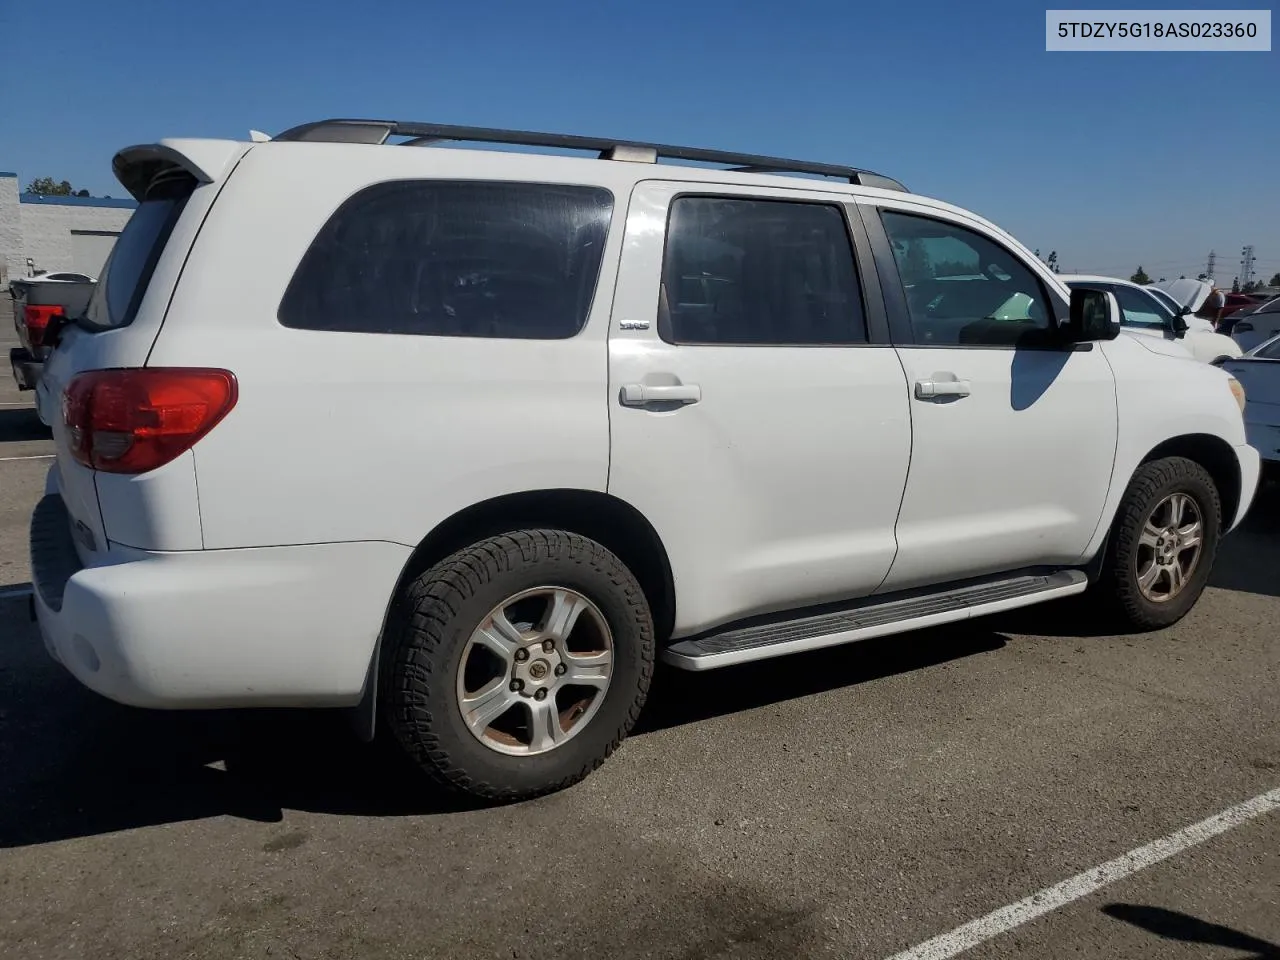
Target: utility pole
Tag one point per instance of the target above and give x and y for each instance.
(1247, 260)
(1213, 259)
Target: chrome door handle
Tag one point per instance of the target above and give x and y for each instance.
(638, 394)
(927, 389)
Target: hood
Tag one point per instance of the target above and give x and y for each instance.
(1189, 293)
(1160, 346)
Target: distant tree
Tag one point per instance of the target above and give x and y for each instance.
(47, 186)
(82, 193)
(1274, 281)
(1140, 277)
(1052, 262)
(1202, 277)
(1235, 285)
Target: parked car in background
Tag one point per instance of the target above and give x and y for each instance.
(476, 436)
(1165, 297)
(1145, 314)
(40, 304)
(1259, 372)
(1253, 325)
(59, 277)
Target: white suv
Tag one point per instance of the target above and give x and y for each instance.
(464, 439)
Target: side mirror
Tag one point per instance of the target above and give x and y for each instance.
(1180, 326)
(1095, 315)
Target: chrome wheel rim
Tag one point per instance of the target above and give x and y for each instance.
(1169, 548)
(535, 671)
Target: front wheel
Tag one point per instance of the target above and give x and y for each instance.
(1163, 543)
(516, 666)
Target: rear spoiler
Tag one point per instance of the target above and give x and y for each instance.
(207, 161)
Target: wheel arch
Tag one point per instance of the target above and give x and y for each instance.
(607, 519)
(1216, 456)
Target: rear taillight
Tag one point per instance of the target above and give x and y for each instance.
(37, 320)
(131, 421)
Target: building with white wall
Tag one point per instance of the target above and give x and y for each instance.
(56, 233)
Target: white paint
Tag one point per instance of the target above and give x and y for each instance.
(1082, 884)
(14, 593)
(751, 489)
(252, 633)
(781, 486)
(35, 456)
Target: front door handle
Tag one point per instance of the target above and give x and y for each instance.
(928, 389)
(639, 394)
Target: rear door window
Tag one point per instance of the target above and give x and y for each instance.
(128, 269)
(746, 271)
(454, 259)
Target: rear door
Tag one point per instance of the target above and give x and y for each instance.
(758, 415)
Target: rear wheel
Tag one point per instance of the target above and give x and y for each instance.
(516, 666)
(1163, 543)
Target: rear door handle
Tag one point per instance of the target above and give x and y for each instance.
(927, 389)
(638, 394)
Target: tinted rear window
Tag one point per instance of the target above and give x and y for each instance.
(454, 259)
(133, 258)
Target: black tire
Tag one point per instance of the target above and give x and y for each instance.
(1117, 586)
(428, 633)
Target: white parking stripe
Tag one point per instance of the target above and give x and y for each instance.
(1082, 884)
(13, 593)
(34, 456)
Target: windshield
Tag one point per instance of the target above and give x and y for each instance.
(128, 268)
(1164, 298)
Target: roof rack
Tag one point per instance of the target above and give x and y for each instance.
(424, 134)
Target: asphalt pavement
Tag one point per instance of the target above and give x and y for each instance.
(847, 803)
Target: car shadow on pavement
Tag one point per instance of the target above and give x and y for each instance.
(1248, 561)
(678, 696)
(1174, 925)
(21, 423)
(1249, 558)
(73, 764)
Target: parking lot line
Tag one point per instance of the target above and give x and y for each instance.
(1082, 884)
(34, 456)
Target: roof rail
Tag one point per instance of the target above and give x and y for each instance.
(424, 134)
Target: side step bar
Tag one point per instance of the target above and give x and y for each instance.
(870, 617)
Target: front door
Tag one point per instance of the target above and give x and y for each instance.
(753, 421)
(1014, 432)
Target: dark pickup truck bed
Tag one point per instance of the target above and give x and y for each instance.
(35, 304)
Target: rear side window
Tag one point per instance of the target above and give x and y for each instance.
(454, 259)
(133, 258)
(758, 272)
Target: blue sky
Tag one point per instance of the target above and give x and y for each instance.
(1109, 158)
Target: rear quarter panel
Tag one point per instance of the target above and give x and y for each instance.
(344, 437)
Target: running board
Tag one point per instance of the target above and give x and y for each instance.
(868, 618)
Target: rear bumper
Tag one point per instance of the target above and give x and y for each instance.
(26, 368)
(263, 627)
